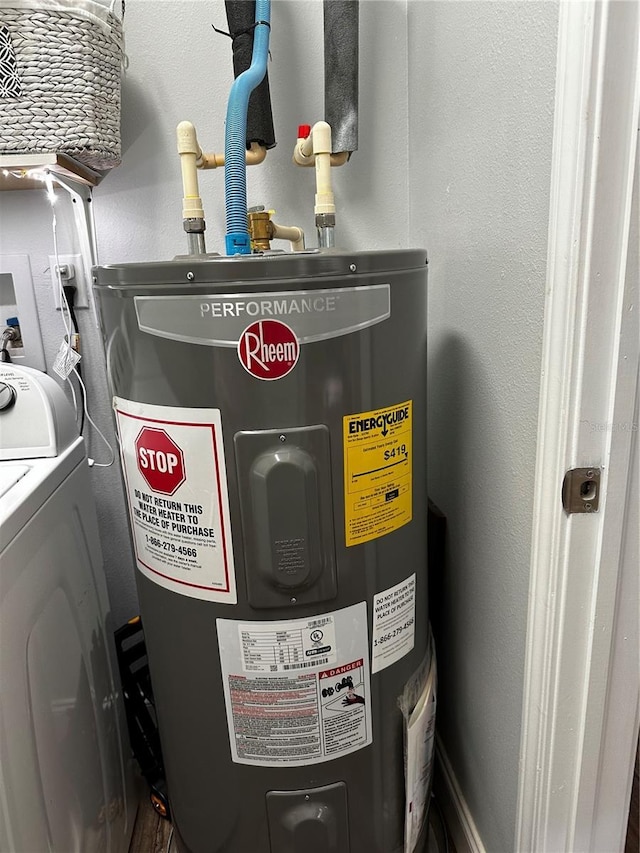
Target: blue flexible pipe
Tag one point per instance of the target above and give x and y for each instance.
(235, 143)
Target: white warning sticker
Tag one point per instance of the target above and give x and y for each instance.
(176, 488)
(281, 646)
(298, 691)
(394, 618)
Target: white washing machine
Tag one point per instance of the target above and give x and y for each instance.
(65, 773)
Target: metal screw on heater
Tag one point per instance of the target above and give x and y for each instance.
(294, 600)
(353, 267)
(283, 438)
(190, 276)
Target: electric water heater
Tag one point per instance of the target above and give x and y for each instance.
(271, 413)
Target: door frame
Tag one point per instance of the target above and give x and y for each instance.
(581, 704)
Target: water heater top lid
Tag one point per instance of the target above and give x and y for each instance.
(264, 267)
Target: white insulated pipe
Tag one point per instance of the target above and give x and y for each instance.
(317, 148)
(254, 156)
(192, 158)
(189, 152)
(292, 233)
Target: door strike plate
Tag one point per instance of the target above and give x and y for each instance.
(581, 490)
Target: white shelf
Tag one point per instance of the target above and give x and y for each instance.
(15, 169)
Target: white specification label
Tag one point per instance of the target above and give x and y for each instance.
(394, 618)
(176, 488)
(281, 647)
(296, 692)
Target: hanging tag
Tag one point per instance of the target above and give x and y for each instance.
(65, 360)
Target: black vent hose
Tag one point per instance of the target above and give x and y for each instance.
(241, 19)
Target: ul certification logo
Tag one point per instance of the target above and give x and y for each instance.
(268, 349)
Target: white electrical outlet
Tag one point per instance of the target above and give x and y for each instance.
(73, 274)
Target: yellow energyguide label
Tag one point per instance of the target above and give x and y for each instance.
(377, 472)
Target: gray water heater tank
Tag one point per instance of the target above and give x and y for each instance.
(271, 413)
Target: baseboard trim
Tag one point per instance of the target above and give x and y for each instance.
(460, 823)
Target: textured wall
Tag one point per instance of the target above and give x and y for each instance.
(26, 228)
(179, 68)
(455, 143)
(481, 101)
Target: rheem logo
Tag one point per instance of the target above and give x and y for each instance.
(268, 349)
(160, 460)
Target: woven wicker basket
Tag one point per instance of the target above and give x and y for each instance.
(61, 74)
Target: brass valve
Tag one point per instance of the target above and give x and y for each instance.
(260, 228)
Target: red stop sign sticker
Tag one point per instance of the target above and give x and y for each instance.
(268, 349)
(160, 460)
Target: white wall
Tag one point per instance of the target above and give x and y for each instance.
(179, 68)
(481, 101)
(468, 87)
(26, 228)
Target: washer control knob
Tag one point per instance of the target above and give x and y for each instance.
(7, 396)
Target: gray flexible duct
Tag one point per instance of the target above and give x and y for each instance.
(341, 72)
